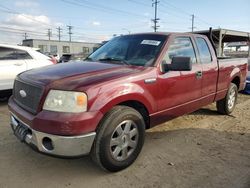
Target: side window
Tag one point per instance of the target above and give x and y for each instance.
(53, 49)
(20, 55)
(85, 50)
(181, 46)
(204, 51)
(43, 48)
(66, 49)
(7, 53)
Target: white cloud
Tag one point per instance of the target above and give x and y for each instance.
(95, 23)
(13, 28)
(26, 4)
(28, 20)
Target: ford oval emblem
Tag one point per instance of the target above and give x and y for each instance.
(22, 93)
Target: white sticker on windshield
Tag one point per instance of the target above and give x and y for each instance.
(151, 42)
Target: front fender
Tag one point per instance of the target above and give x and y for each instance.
(113, 95)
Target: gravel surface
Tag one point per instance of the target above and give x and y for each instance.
(202, 149)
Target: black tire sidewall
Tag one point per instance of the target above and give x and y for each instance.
(109, 125)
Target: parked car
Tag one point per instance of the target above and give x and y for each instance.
(248, 63)
(64, 58)
(247, 87)
(16, 59)
(103, 105)
(72, 57)
(54, 57)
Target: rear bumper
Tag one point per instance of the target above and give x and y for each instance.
(64, 146)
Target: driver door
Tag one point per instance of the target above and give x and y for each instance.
(180, 90)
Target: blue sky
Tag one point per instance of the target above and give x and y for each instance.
(96, 20)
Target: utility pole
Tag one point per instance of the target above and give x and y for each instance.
(155, 20)
(59, 30)
(192, 23)
(49, 33)
(25, 36)
(70, 31)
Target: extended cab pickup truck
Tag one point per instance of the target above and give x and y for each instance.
(102, 106)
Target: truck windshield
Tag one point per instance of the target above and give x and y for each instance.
(139, 50)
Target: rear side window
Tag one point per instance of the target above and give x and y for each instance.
(181, 46)
(205, 55)
(7, 54)
(20, 55)
(13, 54)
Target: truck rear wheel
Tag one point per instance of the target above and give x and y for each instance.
(227, 105)
(119, 139)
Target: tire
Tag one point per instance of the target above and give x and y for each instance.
(122, 129)
(226, 106)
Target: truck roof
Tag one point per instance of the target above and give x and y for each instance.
(166, 34)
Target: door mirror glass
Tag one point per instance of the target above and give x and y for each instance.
(178, 64)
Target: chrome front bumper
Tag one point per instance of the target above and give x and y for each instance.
(64, 146)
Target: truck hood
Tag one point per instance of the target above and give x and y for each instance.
(77, 74)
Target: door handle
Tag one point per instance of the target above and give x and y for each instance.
(198, 74)
(18, 64)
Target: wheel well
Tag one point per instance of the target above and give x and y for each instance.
(236, 81)
(140, 108)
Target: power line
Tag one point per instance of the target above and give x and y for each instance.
(40, 34)
(139, 3)
(184, 12)
(22, 30)
(95, 6)
(180, 10)
(9, 29)
(19, 32)
(155, 20)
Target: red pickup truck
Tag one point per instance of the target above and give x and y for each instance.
(102, 106)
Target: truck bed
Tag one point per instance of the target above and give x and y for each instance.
(227, 66)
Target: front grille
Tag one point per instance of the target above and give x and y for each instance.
(33, 96)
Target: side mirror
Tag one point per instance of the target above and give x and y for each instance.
(179, 64)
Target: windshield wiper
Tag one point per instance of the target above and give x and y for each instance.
(114, 59)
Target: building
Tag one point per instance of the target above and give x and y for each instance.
(222, 37)
(61, 47)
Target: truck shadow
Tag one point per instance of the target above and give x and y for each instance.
(177, 158)
(208, 112)
(205, 111)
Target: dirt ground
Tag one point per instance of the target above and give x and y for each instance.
(202, 149)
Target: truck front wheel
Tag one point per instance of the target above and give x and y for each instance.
(119, 139)
(227, 105)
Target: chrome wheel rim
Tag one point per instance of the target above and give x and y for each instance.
(124, 140)
(231, 99)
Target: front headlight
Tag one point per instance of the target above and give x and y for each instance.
(66, 101)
